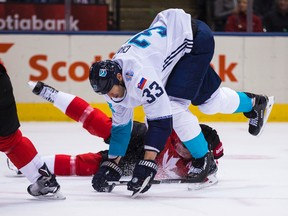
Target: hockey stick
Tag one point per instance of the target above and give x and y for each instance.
(192, 185)
(159, 181)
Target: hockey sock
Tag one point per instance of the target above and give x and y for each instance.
(23, 154)
(18, 149)
(80, 165)
(94, 120)
(197, 146)
(78, 109)
(63, 100)
(245, 104)
(64, 165)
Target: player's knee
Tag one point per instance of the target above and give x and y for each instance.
(207, 109)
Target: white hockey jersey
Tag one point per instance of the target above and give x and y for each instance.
(146, 60)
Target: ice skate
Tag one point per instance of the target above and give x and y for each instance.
(45, 91)
(210, 179)
(12, 167)
(46, 186)
(200, 168)
(259, 114)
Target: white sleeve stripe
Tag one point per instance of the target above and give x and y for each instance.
(186, 44)
(151, 148)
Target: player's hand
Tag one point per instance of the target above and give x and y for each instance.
(108, 171)
(144, 169)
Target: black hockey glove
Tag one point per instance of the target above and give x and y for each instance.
(142, 170)
(213, 140)
(108, 171)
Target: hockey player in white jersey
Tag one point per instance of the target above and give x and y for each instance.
(165, 68)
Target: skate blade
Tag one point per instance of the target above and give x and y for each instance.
(12, 167)
(267, 113)
(209, 181)
(137, 193)
(31, 84)
(52, 196)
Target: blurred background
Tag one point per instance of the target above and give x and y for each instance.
(126, 15)
(56, 41)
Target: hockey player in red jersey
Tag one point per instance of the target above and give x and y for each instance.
(18, 148)
(173, 161)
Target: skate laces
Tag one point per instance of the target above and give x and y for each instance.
(195, 170)
(197, 166)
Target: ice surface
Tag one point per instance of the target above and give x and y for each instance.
(253, 178)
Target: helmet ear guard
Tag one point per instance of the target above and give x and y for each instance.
(103, 76)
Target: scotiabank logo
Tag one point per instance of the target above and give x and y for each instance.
(225, 70)
(4, 47)
(60, 70)
(79, 70)
(34, 23)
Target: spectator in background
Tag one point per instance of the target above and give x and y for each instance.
(112, 25)
(238, 22)
(262, 7)
(205, 11)
(38, 1)
(215, 12)
(89, 1)
(222, 9)
(277, 19)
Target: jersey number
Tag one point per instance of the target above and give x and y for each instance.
(147, 33)
(152, 97)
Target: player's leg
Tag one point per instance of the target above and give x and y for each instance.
(193, 70)
(255, 107)
(80, 165)
(187, 128)
(19, 149)
(94, 120)
(193, 78)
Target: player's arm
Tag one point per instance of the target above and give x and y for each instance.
(159, 117)
(121, 131)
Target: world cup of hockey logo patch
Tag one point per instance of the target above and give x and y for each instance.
(102, 72)
(142, 83)
(129, 75)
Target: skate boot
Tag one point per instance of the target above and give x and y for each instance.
(46, 185)
(209, 180)
(45, 91)
(260, 112)
(200, 168)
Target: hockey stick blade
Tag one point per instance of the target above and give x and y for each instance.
(137, 193)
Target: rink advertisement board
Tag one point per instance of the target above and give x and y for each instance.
(51, 17)
(254, 64)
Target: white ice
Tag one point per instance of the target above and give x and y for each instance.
(253, 178)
